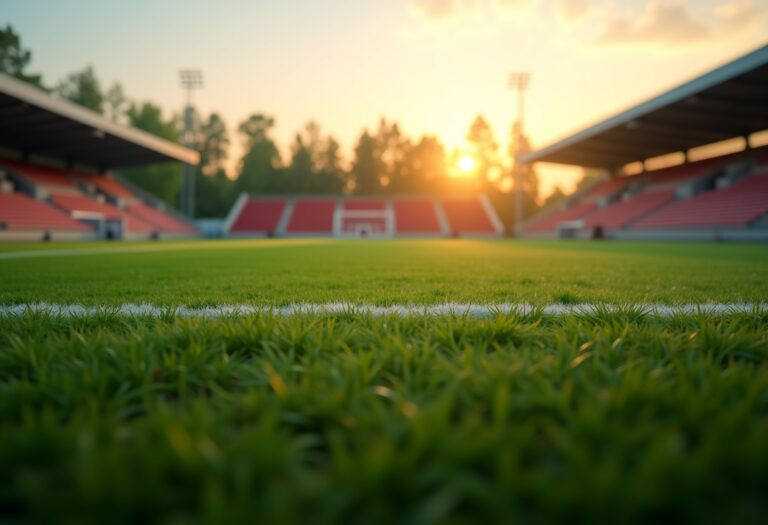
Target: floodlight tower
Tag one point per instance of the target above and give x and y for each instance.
(518, 81)
(191, 79)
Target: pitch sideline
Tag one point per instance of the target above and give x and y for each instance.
(444, 309)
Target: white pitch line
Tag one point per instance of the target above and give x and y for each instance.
(445, 309)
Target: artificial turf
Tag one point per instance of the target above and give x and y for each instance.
(614, 417)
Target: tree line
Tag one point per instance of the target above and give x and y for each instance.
(384, 161)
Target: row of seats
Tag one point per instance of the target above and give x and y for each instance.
(737, 205)
(20, 212)
(412, 216)
(62, 206)
(657, 204)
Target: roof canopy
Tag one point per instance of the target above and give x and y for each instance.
(33, 122)
(730, 101)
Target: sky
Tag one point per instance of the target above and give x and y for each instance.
(430, 65)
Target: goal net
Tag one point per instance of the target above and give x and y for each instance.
(363, 223)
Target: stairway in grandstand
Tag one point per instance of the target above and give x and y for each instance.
(39, 202)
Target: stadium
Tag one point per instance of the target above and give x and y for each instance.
(321, 349)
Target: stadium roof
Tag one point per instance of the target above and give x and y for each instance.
(35, 123)
(730, 101)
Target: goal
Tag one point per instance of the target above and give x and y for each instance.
(363, 223)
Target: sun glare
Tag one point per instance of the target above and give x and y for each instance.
(466, 164)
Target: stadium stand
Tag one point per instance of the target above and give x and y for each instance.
(162, 222)
(363, 218)
(468, 216)
(24, 217)
(312, 216)
(45, 197)
(41, 181)
(676, 175)
(358, 216)
(75, 194)
(612, 187)
(416, 217)
(259, 217)
(733, 206)
(80, 206)
(704, 194)
(364, 204)
(724, 197)
(620, 214)
(105, 185)
(549, 223)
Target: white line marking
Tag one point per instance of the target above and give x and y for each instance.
(445, 309)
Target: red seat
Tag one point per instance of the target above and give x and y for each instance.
(619, 214)
(683, 173)
(467, 216)
(107, 185)
(365, 205)
(737, 205)
(258, 216)
(81, 203)
(312, 216)
(549, 222)
(41, 175)
(414, 216)
(17, 211)
(611, 186)
(159, 220)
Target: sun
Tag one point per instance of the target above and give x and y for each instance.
(466, 164)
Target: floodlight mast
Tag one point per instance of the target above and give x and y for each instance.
(191, 79)
(518, 81)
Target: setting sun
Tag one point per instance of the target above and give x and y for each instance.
(466, 164)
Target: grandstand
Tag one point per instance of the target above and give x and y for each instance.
(333, 216)
(56, 180)
(724, 197)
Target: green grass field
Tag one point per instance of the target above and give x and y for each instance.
(276, 272)
(620, 417)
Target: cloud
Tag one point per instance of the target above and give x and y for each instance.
(652, 22)
(510, 5)
(572, 10)
(737, 15)
(442, 9)
(666, 22)
(674, 22)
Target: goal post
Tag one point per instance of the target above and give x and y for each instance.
(363, 223)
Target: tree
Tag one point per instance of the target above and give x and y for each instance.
(161, 180)
(330, 166)
(214, 191)
(83, 88)
(315, 163)
(115, 102)
(297, 177)
(484, 149)
(423, 169)
(502, 191)
(556, 196)
(14, 59)
(260, 165)
(528, 176)
(367, 167)
(589, 177)
(391, 149)
(212, 141)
